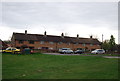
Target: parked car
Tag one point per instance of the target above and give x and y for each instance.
(78, 51)
(11, 50)
(98, 51)
(65, 50)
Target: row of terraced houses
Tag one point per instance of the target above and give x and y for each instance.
(52, 42)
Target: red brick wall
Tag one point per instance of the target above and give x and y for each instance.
(37, 44)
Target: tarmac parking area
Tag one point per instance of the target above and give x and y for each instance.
(82, 55)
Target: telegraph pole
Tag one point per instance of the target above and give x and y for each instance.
(102, 42)
(102, 38)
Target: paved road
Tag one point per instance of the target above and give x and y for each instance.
(59, 54)
(111, 56)
(83, 55)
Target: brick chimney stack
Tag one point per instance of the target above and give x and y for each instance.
(77, 35)
(62, 35)
(91, 36)
(45, 33)
(25, 32)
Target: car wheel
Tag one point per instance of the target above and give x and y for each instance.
(3, 52)
(14, 52)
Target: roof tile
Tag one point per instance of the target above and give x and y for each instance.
(52, 38)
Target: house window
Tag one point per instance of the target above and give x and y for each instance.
(31, 47)
(51, 48)
(45, 48)
(83, 44)
(51, 42)
(68, 43)
(98, 45)
(31, 42)
(41, 42)
(60, 43)
(21, 41)
(39, 48)
(91, 44)
(1, 46)
(76, 43)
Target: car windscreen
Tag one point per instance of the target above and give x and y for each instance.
(8, 49)
(100, 50)
(13, 49)
(64, 49)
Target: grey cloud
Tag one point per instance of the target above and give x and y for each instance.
(26, 13)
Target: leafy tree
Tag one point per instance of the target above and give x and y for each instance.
(106, 45)
(118, 48)
(109, 45)
(7, 41)
(112, 43)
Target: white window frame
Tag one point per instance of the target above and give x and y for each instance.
(51, 42)
(84, 44)
(42, 42)
(60, 43)
(91, 44)
(98, 45)
(69, 43)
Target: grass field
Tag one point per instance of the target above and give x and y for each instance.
(40, 66)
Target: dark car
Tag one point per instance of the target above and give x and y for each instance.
(78, 51)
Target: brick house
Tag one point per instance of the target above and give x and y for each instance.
(3, 45)
(39, 41)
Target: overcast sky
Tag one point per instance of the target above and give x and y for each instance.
(71, 18)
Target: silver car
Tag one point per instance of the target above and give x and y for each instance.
(98, 51)
(65, 50)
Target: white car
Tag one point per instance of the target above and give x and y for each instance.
(65, 50)
(98, 51)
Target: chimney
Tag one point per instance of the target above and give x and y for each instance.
(91, 36)
(62, 35)
(77, 35)
(25, 32)
(45, 33)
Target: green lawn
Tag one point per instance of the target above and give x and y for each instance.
(40, 66)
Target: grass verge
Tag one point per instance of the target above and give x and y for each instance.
(40, 66)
